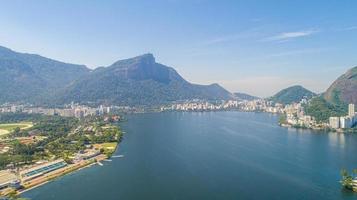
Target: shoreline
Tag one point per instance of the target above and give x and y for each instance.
(109, 149)
(328, 130)
(60, 173)
(58, 177)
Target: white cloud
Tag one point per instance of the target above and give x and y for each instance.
(221, 39)
(298, 52)
(249, 33)
(291, 35)
(351, 28)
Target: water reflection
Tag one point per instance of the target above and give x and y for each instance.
(337, 140)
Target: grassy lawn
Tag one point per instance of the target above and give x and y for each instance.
(108, 148)
(7, 128)
(109, 145)
(3, 132)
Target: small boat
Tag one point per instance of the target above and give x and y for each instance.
(108, 160)
(99, 163)
(118, 156)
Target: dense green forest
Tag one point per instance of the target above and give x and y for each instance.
(291, 94)
(19, 117)
(321, 109)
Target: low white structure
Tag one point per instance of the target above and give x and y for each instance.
(86, 155)
(42, 169)
(8, 179)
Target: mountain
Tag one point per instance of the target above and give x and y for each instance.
(138, 81)
(244, 96)
(30, 77)
(292, 94)
(344, 89)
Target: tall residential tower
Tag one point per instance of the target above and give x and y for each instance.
(351, 110)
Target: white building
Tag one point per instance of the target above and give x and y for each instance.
(334, 122)
(346, 122)
(85, 155)
(39, 170)
(351, 110)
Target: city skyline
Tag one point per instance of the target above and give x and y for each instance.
(244, 46)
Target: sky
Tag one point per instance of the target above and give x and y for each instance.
(257, 47)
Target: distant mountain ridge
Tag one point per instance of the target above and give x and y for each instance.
(135, 81)
(29, 77)
(244, 96)
(139, 81)
(292, 94)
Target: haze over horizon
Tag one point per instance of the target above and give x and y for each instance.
(242, 45)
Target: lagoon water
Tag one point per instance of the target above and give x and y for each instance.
(213, 155)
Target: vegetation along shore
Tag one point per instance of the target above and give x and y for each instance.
(35, 148)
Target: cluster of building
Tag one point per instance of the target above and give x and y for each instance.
(86, 155)
(243, 105)
(39, 170)
(296, 116)
(345, 121)
(261, 105)
(14, 179)
(201, 106)
(72, 110)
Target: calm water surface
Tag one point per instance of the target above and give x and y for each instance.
(218, 155)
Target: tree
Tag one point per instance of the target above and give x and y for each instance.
(354, 172)
(347, 180)
(282, 119)
(17, 130)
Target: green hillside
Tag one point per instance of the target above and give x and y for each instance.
(138, 81)
(292, 94)
(321, 109)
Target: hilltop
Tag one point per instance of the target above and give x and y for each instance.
(292, 94)
(138, 81)
(244, 96)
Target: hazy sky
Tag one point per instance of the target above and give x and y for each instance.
(250, 46)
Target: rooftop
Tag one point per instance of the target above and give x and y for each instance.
(7, 177)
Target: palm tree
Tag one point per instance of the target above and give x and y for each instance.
(355, 172)
(347, 180)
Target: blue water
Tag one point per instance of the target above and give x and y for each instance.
(216, 155)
